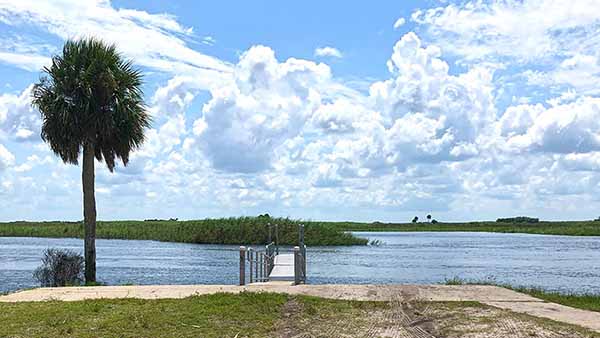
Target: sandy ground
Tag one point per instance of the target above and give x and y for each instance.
(490, 295)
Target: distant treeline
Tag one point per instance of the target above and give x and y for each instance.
(240, 230)
(520, 219)
(569, 228)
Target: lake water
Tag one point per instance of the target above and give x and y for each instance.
(552, 262)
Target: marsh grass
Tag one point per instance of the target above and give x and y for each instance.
(240, 230)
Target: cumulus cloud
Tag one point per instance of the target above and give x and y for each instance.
(448, 129)
(328, 51)
(267, 103)
(438, 115)
(581, 162)
(420, 115)
(567, 128)
(342, 116)
(18, 119)
(175, 97)
(516, 120)
(169, 105)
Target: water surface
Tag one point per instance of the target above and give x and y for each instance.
(562, 263)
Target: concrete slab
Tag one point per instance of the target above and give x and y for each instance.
(490, 295)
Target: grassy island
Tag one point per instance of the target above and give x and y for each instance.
(240, 230)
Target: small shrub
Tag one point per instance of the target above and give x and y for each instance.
(433, 221)
(456, 280)
(60, 268)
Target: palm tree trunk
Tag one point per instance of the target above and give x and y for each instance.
(89, 213)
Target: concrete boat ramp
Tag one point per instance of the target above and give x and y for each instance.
(489, 295)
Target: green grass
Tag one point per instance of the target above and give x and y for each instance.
(241, 230)
(570, 228)
(218, 315)
(581, 301)
(584, 301)
(259, 315)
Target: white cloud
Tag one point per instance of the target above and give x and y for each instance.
(152, 40)
(328, 51)
(342, 116)
(450, 129)
(516, 120)
(580, 72)
(169, 105)
(32, 63)
(399, 23)
(567, 128)
(18, 119)
(175, 97)
(483, 29)
(268, 103)
(581, 162)
(436, 114)
(6, 158)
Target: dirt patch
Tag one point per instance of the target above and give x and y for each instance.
(398, 319)
(288, 315)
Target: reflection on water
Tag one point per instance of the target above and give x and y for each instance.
(552, 262)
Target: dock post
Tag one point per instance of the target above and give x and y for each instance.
(250, 254)
(297, 265)
(276, 239)
(242, 265)
(303, 249)
(301, 235)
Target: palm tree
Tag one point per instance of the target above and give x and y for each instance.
(91, 101)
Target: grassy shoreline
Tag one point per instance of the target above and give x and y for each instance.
(253, 230)
(567, 228)
(584, 301)
(241, 230)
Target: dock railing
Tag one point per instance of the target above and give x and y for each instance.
(257, 263)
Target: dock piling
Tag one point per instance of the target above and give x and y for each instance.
(242, 265)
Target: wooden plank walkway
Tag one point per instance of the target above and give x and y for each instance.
(283, 268)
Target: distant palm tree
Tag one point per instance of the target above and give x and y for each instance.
(429, 218)
(91, 100)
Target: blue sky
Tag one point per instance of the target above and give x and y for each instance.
(323, 110)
